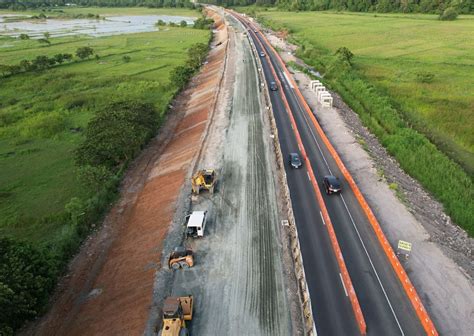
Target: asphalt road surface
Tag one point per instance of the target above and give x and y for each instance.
(385, 306)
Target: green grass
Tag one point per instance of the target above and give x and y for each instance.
(411, 80)
(391, 50)
(39, 112)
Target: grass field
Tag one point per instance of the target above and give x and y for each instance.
(42, 114)
(395, 52)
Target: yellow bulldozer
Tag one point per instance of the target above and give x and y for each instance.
(204, 179)
(176, 311)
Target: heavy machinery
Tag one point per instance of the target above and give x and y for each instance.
(204, 179)
(196, 224)
(181, 257)
(176, 310)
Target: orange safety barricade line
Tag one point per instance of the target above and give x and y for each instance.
(410, 290)
(335, 245)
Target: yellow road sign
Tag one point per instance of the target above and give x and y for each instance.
(403, 245)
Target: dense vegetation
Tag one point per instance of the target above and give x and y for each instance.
(382, 6)
(26, 4)
(69, 126)
(406, 84)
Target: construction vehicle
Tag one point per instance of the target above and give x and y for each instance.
(176, 310)
(196, 223)
(204, 179)
(181, 257)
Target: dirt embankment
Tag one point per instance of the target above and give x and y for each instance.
(108, 289)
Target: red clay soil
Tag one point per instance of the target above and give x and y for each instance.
(108, 290)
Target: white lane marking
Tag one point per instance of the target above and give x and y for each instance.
(324, 222)
(372, 265)
(309, 177)
(342, 281)
(352, 220)
(288, 80)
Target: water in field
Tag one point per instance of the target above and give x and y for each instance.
(110, 25)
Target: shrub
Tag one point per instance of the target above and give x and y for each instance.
(160, 23)
(24, 37)
(425, 77)
(203, 23)
(183, 24)
(126, 58)
(449, 14)
(181, 75)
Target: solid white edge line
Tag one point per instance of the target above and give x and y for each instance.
(342, 281)
(288, 80)
(324, 222)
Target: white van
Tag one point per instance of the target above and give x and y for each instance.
(196, 223)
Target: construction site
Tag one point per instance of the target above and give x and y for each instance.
(204, 238)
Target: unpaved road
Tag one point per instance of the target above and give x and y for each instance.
(238, 282)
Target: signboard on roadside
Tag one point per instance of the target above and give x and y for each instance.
(403, 245)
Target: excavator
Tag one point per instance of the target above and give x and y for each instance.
(204, 179)
(181, 257)
(176, 311)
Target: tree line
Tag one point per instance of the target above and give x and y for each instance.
(44, 62)
(24, 4)
(383, 6)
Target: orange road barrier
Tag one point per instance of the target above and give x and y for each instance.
(410, 290)
(349, 288)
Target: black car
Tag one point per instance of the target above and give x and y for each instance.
(295, 161)
(332, 184)
(273, 86)
(262, 54)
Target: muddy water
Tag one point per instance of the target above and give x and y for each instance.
(111, 25)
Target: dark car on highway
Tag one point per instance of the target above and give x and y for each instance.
(295, 161)
(273, 86)
(332, 184)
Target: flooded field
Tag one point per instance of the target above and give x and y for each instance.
(109, 25)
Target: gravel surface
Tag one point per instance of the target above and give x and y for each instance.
(239, 281)
(441, 265)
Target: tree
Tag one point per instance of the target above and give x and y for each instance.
(95, 177)
(197, 54)
(59, 58)
(25, 65)
(84, 52)
(449, 14)
(41, 62)
(160, 23)
(126, 58)
(180, 75)
(46, 35)
(116, 134)
(183, 24)
(24, 37)
(26, 279)
(44, 41)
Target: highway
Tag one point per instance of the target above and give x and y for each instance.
(385, 305)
